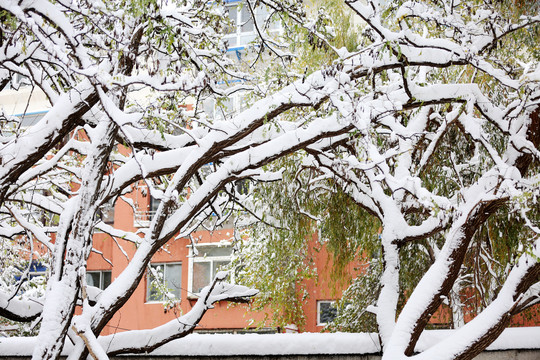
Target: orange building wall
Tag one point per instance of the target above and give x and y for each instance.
(139, 314)
(326, 286)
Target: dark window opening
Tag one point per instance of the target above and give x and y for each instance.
(326, 312)
(99, 279)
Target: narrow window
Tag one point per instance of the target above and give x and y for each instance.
(154, 204)
(106, 212)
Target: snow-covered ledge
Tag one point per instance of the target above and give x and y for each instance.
(291, 344)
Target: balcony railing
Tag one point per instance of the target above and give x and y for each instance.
(143, 217)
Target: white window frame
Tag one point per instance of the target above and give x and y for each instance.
(164, 264)
(235, 104)
(33, 274)
(101, 272)
(319, 302)
(238, 34)
(212, 259)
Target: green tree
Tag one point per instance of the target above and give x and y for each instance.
(420, 168)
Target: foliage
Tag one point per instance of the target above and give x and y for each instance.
(447, 159)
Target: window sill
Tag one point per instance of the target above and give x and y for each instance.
(158, 302)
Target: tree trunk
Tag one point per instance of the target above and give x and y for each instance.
(65, 285)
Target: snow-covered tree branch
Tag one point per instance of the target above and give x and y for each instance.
(430, 126)
(445, 147)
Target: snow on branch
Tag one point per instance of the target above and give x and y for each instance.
(19, 308)
(144, 341)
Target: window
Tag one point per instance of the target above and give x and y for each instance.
(242, 186)
(242, 30)
(204, 266)
(224, 109)
(36, 270)
(99, 279)
(326, 312)
(31, 119)
(106, 212)
(18, 81)
(33, 275)
(25, 120)
(163, 280)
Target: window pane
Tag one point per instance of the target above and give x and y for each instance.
(173, 278)
(31, 120)
(92, 279)
(242, 186)
(327, 312)
(209, 107)
(261, 15)
(247, 21)
(154, 204)
(201, 275)
(225, 108)
(152, 293)
(232, 17)
(106, 279)
(231, 41)
(214, 251)
(275, 24)
(106, 213)
(36, 266)
(170, 278)
(218, 266)
(246, 39)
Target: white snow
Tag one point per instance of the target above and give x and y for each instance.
(511, 338)
(292, 344)
(275, 344)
